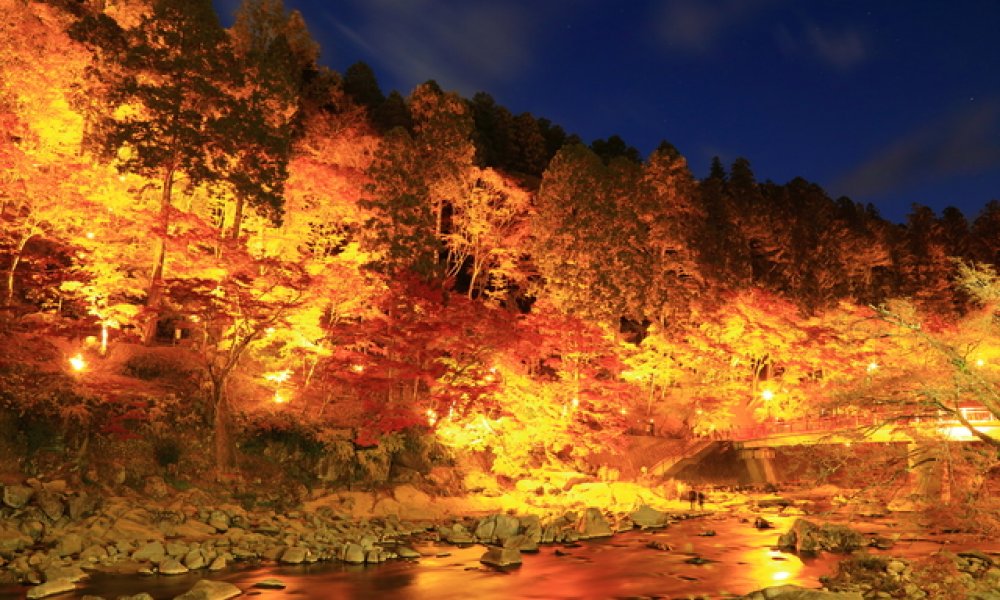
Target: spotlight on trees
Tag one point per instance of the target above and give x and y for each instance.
(77, 363)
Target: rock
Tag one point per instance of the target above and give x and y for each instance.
(51, 504)
(217, 564)
(522, 542)
(12, 541)
(50, 588)
(645, 517)
(407, 552)
(762, 523)
(497, 528)
(219, 520)
(153, 552)
(57, 572)
(33, 528)
(93, 554)
(457, 534)
(57, 486)
(270, 584)
(594, 525)
(792, 592)
(170, 566)
(374, 556)
(16, 496)
(194, 530)
(353, 554)
(501, 557)
(81, 506)
(774, 502)
(194, 560)
(293, 555)
(210, 590)
(806, 538)
(69, 544)
(657, 545)
(139, 596)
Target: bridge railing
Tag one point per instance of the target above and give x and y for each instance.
(831, 423)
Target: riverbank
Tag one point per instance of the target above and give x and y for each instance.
(52, 537)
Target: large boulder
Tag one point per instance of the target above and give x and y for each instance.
(171, 566)
(50, 588)
(645, 517)
(293, 555)
(497, 528)
(16, 496)
(210, 590)
(353, 554)
(501, 557)
(808, 539)
(594, 525)
(154, 552)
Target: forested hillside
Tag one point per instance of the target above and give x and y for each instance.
(373, 270)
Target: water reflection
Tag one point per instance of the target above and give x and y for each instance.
(740, 560)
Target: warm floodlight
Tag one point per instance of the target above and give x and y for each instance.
(77, 363)
(767, 395)
(872, 367)
(279, 398)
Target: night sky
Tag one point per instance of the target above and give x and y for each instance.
(892, 102)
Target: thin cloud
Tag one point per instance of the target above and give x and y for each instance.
(699, 26)
(843, 50)
(466, 46)
(964, 143)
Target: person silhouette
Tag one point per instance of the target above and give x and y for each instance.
(701, 500)
(692, 497)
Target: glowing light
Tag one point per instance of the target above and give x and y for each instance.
(623, 411)
(279, 398)
(575, 402)
(767, 395)
(872, 367)
(278, 376)
(780, 575)
(90, 235)
(195, 318)
(358, 368)
(77, 362)
(269, 331)
(488, 378)
(432, 417)
(980, 362)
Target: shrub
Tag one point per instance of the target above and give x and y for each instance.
(152, 366)
(167, 452)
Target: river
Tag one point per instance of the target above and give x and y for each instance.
(741, 559)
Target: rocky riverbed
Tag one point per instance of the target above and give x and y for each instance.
(52, 537)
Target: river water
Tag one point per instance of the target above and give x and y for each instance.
(741, 559)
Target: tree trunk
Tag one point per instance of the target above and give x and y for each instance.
(154, 296)
(237, 217)
(14, 262)
(220, 429)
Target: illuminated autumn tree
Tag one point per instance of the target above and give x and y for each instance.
(233, 308)
(173, 112)
(554, 397)
(488, 227)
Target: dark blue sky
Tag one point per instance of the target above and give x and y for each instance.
(891, 102)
